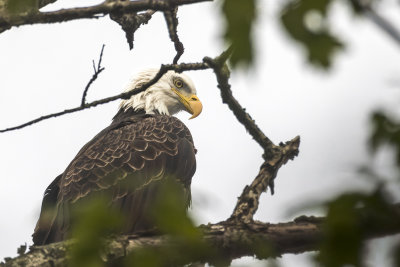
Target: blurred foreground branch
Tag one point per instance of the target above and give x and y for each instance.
(384, 24)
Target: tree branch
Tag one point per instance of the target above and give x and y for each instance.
(230, 239)
(222, 73)
(97, 71)
(275, 156)
(172, 25)
(130, 22)
(247, 203)
(7, 21)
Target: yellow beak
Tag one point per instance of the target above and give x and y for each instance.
(191, 103)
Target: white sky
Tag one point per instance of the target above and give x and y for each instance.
(44, 69)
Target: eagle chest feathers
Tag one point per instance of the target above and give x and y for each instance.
(126, 163)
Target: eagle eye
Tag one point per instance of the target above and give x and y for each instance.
(178, 83)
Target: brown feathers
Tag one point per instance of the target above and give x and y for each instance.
(127, 160)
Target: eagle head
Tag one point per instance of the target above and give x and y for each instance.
(172, 93)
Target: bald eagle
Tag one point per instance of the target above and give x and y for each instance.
(128, 160)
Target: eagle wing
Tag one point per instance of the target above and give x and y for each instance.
(127, 162)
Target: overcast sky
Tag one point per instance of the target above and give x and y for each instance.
(44, 69)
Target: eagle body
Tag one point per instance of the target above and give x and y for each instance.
(127, 162)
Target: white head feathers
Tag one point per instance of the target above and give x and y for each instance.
(160, 97)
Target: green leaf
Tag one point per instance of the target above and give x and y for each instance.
(169, 210)
(148, 257)
(94, 223)
(306, 23)
(385, 130)
(240, 16)
(351, 218)
(185, 240)
(342, 242)
(22, 6)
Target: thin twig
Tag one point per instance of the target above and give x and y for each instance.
(105, 8)
(172, 24)
(94, 65)
(101, 57)
(126, 95)
(94, 77)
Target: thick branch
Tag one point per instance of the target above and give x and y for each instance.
(230, 240)
(107, 7)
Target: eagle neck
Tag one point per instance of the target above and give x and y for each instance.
(123, 114)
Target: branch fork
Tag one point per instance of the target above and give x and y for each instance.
(274, 156)
(96, 73)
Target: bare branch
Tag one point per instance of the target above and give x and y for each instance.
(222, 72)
(94, 77)
(247, 203)
(275, 156)
(94, 66)
(163, 69)
(172, 23)
(107, 7)
(101, 57)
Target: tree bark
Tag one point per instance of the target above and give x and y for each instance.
(232, 240)
(8, 20)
